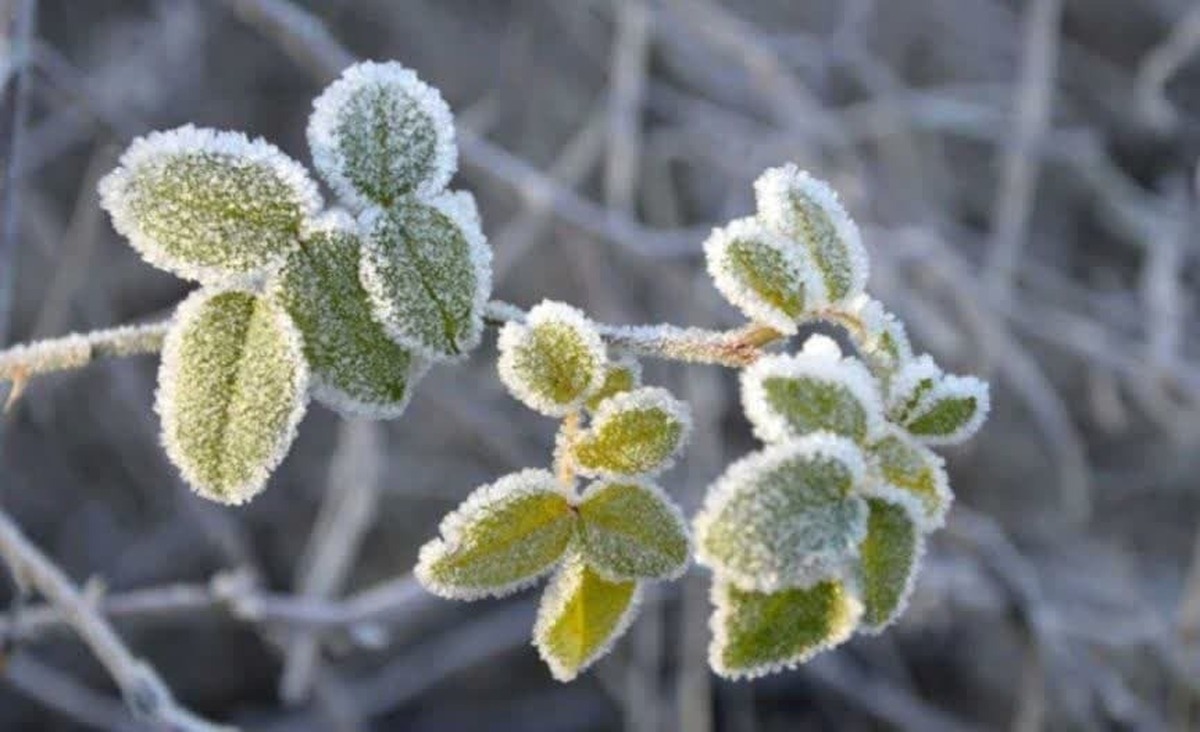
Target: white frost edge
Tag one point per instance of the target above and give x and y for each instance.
(623, 362)
(952, 386)
(673, 510)
(642, 398)
(459, 207)
(819, 362)
(878, 322)
(718, 619)
(716, 249)
(738, 477)
(905, 381)
(156, 147)
(323, 123)
(914, 509)
(880, 487)
(523, 483)
(559, 591)
(771, 192)
(168, 372)
(513, 335)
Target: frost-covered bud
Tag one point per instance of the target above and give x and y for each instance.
(815, 390)
(379, 133)
(207, 205)
(902, 464)
(232, 388)
(788, 516)
(632, 530)
(357, 369)
(937, 408)
(889, 557)
(757, 633)
(553, 361)
(427, 269)
(807, 211)
(580, 617)
(620, 376)
(770, 279)
(502, 538)
(635, 433)
(884, 340)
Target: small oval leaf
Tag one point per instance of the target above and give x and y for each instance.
(379, 133)
(883, 341)
(620, 376)
(784, 517)
(757, 633)
(580, 617)
(950, 412)
(806, 210)
(888, 561)
(631, 531)
(427, 269)
(909, 386)
(502, 538)
(814, 390)
(635, 433)
(231, 391)
(357, 368)
(553, 360)
(908, 466)
(207, 205)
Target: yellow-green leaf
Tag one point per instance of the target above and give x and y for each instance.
(619, 377)
(756, 633)
(632, 530)
(581, 615)
(634, 433)
(553, 360)
(950, 412)
(909, 466)
(502, 538)
(889, 557)
(232, 388)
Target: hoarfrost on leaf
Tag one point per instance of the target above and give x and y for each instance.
(884, 341)
(787, 516)
(553, 361)
(580, 617)
(427, 269)
(207, 205)
(888, 560)
(620, 376)
(635, 433)
(909, 386)
(632, 530)
(357, 369)
(502, 538)
(950, 412)
(232, 388)
(903, 463)
(379, 133)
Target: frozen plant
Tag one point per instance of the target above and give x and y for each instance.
(812, 538)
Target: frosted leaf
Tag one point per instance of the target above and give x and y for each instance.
(207, 205)
(427, 269)
(502, 538)
(817, 389)
(758, 633)
(553, 360)
(357, 368)
(632, 530)
(806, 210)
(620, 376)
(768, 278)
(580, 617)
(787, 516)
(635, 433)
(903, 463)
(888, 561)
(885, 341)
(909, 385)
(379, 133)
(232, 388)
(950, 412)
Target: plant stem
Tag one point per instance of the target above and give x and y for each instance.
(564, 466)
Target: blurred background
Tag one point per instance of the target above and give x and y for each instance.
(1024, 174)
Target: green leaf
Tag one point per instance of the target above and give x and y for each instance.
(814, 390)
(883, 340)
(785, 517)
(768, 278)
(581, 615)
(632, 531)
(207, 205)
(910, 467)
(806, 210)
(757, 633)
(635, 433)
(231, 391)
(619, 377)
(909, 386)
(503, 537)
(949, 412)
(379, 133)
(357, 368)
(889, 557)
(553, 360)
(427, 270)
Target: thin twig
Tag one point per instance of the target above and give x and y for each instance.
(1160, 64)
